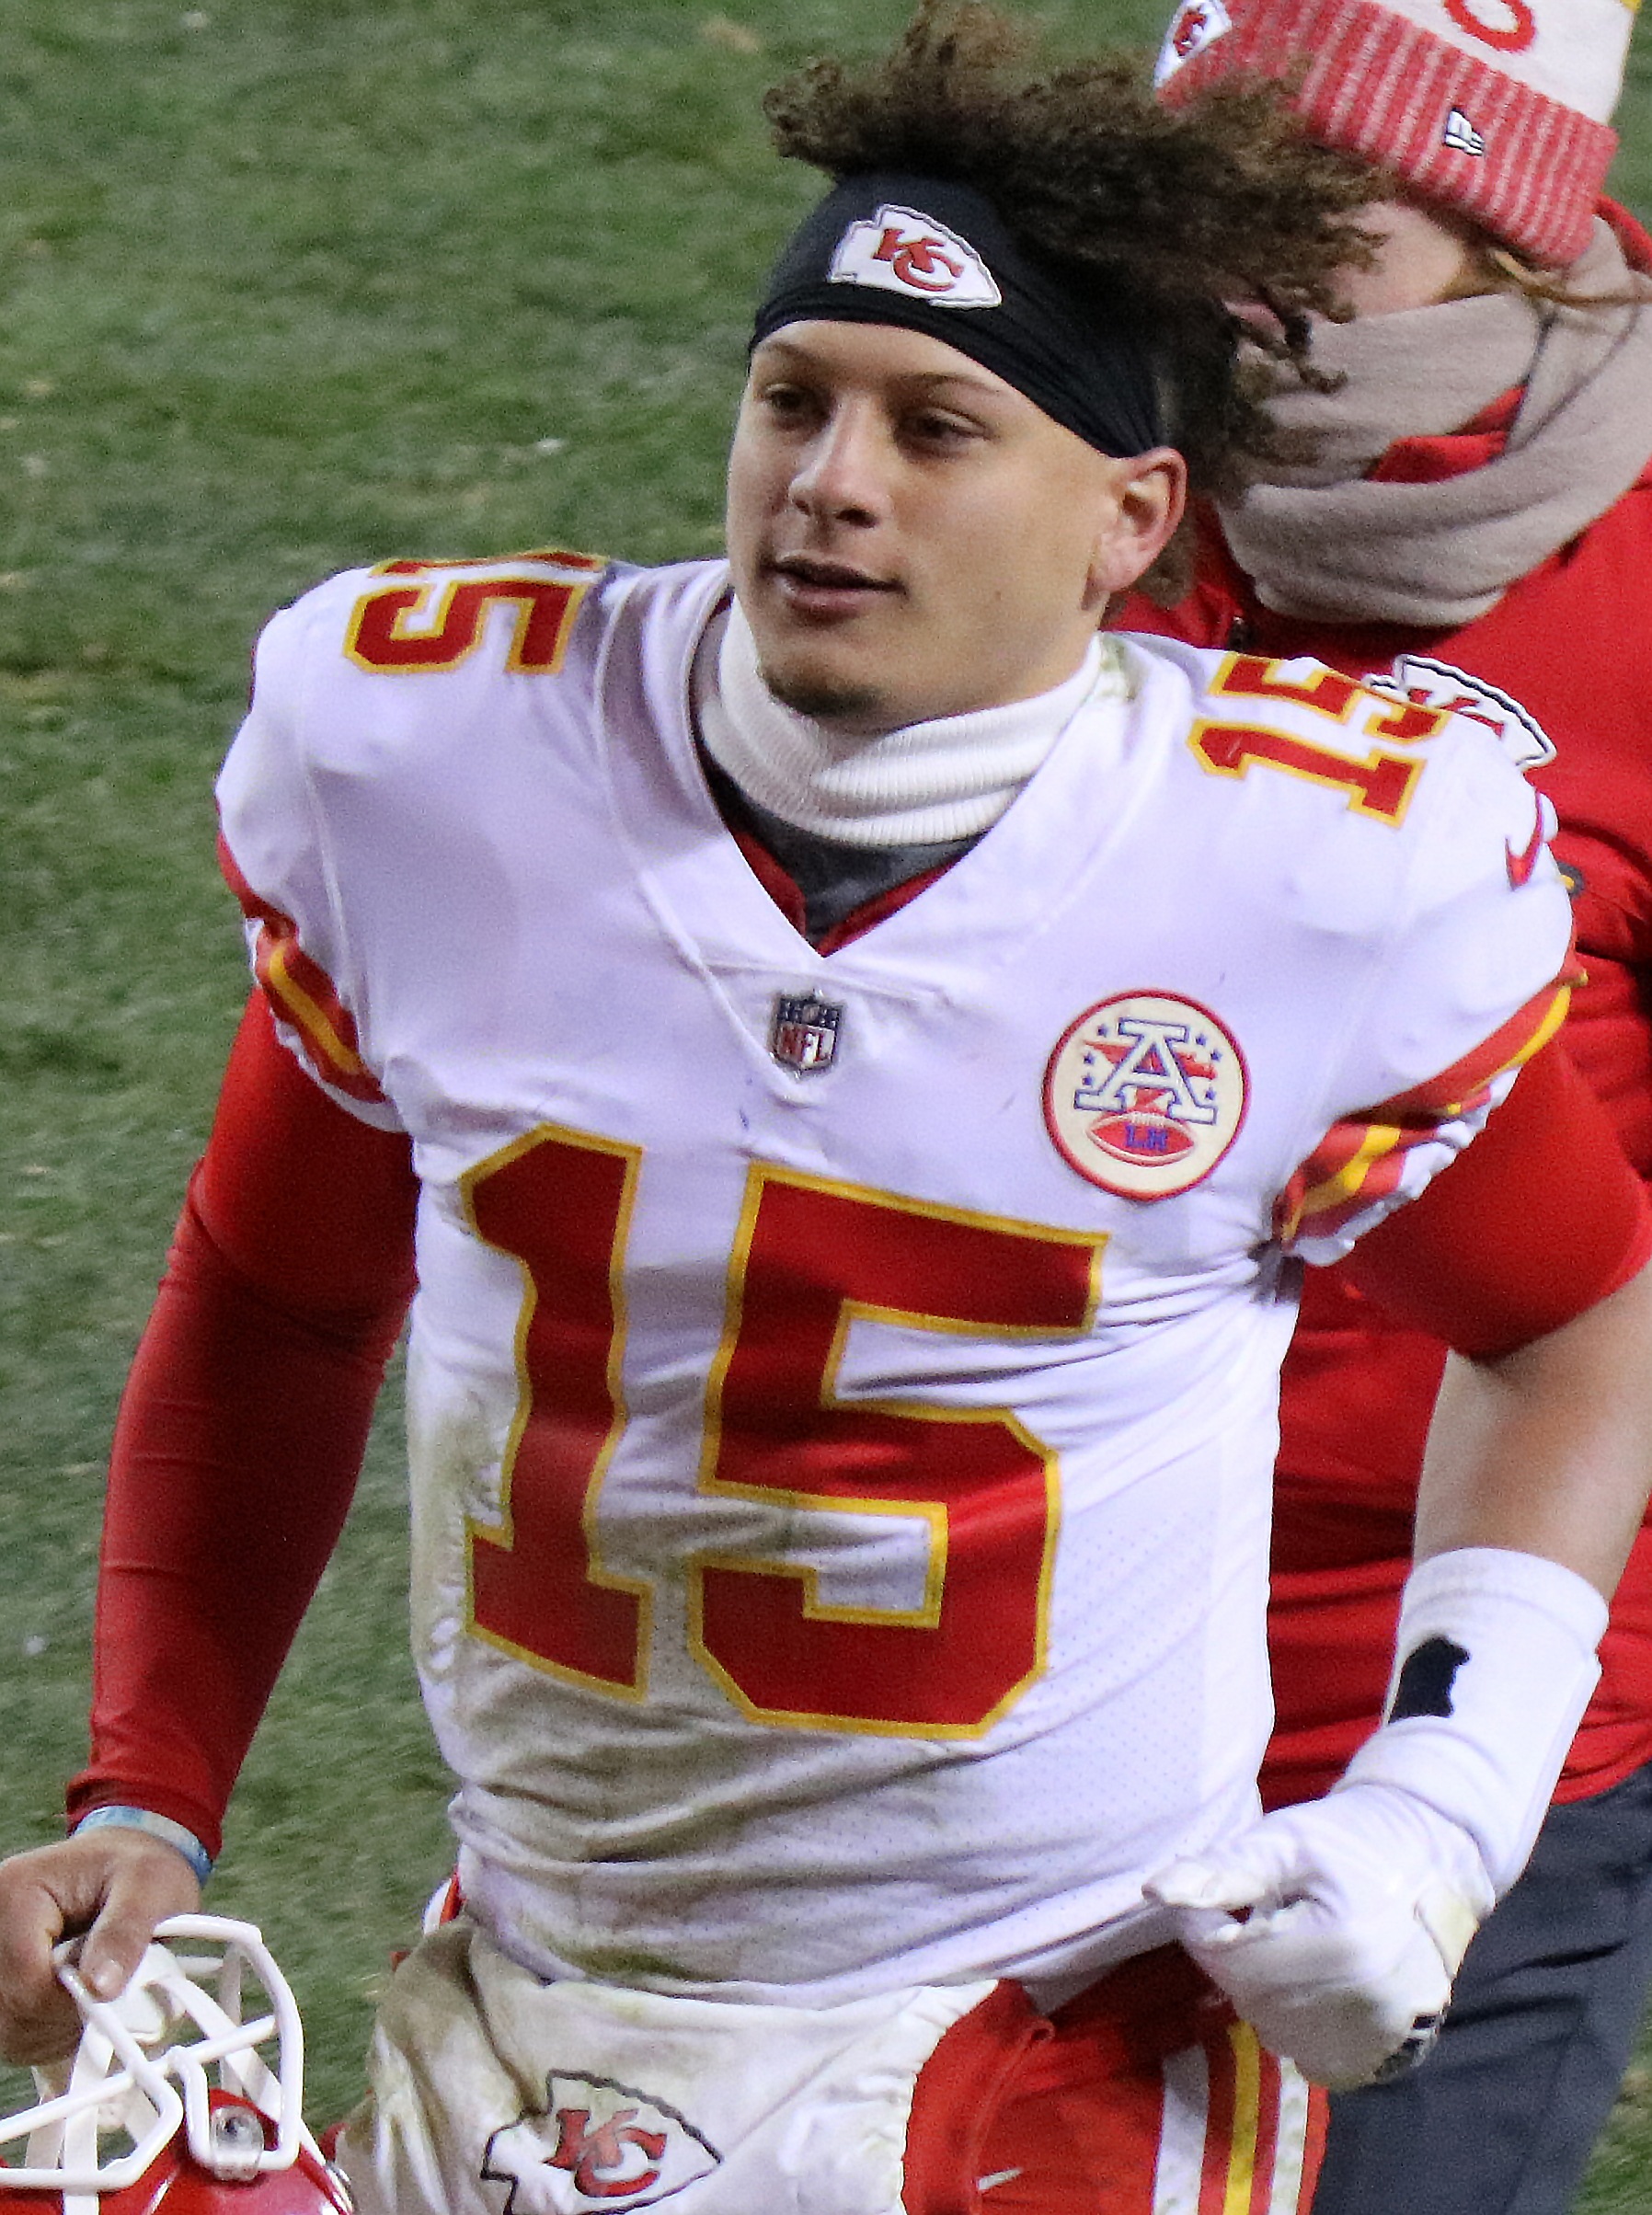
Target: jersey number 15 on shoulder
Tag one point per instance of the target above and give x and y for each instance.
(1377, 784)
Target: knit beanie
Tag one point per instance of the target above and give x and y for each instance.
(1497, 108)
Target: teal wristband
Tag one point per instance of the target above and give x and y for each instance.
(157, 1826)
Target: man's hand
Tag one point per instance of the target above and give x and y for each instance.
(113, 1884)
(1335, 1928)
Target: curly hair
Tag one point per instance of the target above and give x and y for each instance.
(1215, 222)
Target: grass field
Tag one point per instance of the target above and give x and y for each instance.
(287, 286)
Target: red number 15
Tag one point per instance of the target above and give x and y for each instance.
(812, 1260)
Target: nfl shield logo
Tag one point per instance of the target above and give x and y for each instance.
(804, 1038)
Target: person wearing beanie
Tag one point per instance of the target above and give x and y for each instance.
(1466, 521)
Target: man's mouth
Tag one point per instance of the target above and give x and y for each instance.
(815, 584)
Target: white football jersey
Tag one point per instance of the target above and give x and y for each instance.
(842, 1387)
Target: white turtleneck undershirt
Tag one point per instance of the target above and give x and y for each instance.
(930, 782)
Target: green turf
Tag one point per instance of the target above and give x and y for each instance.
(286, 287)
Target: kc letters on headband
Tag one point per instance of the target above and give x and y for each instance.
(938, 258)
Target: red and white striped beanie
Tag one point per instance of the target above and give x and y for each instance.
(1498, 108)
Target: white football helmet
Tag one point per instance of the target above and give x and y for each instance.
(168, 2102)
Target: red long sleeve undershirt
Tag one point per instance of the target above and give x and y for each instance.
(241, 1430)
(244, 1421)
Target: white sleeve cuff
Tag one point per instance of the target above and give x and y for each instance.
(1494, 1666)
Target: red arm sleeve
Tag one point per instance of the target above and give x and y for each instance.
(241, 1430)
(1540, 1217)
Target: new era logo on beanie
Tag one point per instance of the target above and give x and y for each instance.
(1500, 108)
(1460, 133)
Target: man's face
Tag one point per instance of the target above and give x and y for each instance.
(911, 536)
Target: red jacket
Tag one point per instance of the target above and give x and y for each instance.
(1569, 650)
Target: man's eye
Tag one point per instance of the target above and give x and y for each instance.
(935, 429)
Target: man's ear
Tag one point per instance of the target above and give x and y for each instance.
(1148, 495)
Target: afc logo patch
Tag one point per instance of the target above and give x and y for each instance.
(598, 2144)
(903, 251)
(1144, 1095)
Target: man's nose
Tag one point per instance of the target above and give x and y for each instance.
(843, 474)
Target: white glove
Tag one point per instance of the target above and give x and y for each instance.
(1335, 1928)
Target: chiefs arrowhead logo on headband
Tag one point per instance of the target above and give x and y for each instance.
(903, 251)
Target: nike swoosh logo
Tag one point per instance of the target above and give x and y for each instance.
(999, 2176)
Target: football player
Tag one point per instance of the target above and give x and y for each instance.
(860, 1055)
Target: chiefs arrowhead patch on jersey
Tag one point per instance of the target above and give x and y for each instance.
(1144, 1095)
(599, 2145)
(1430, 683)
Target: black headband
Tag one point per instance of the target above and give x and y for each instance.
(938, 258)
